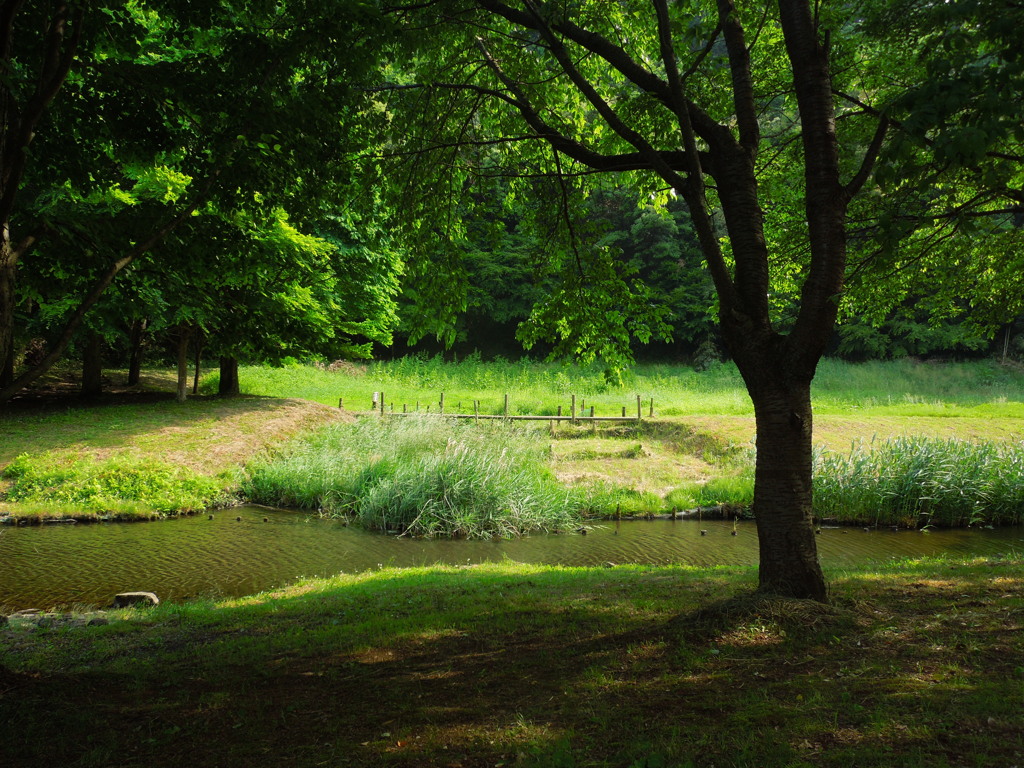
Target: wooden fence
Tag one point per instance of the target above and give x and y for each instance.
(583, 415)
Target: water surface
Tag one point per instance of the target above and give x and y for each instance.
(43, 566)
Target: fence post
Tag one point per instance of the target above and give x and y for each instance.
(382, 402)
(506, 405)
(572, 411)
(442, 402)
(639, 409)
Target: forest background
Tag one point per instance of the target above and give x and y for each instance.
(236, 185)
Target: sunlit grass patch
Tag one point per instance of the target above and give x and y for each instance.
(119, 486)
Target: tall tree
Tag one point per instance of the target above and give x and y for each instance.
(30, 80)
(229, 99)
(703, 98)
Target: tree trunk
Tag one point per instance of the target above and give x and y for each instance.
(184, 335)
(228, 386)
(135, 352)
(8, 267)
(783, 498)
(92, 366)
(199, 356)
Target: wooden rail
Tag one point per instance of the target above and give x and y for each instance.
(379, 404)
(500, 417)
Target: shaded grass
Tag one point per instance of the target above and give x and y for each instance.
(913, 664)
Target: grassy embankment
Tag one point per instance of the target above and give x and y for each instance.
(913, 664)
(145, 460)
(909, 444)
(139, 460)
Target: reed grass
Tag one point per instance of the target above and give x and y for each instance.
(421, 477)
(918, 482)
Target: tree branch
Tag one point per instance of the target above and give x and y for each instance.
(870, 156)
(742, 84)
(694, 193)
(705, 126)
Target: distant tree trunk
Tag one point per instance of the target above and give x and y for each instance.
(92, 366)
(74, 320)
(8, 266)
(184, 335)
(7, 369)
(228, 377)
(135, 351)
(199, 356)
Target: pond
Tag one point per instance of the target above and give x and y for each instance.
(64, 564)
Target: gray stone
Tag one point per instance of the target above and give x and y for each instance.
(99, 621)
(125, 599)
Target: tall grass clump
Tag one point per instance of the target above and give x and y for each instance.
(920, 482)
(124, 486)
(421, 476)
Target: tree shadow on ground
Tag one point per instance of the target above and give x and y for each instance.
(447, 670)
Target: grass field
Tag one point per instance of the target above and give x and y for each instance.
(694, 451)
(866, 391)
(915, 664)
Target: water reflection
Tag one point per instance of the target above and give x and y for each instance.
(177, 559)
